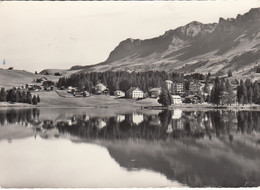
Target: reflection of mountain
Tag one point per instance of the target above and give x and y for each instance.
(195, 163)
(202, 148)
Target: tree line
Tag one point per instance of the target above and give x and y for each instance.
(247, 92)
(122, 80)
(18, 95)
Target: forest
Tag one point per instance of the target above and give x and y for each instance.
(17, 95)
(124, 80)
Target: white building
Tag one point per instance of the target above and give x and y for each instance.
(119, 93)
(134, 93)
(100, 88)
(168, 84)
(176, 99)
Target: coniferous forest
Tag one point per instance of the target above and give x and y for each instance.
(124, 80)
(17, 95)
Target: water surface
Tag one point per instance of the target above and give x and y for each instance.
(103, 148)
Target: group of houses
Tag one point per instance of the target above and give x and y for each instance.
(180, 91)
(41, 84)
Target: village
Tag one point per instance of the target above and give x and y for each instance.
(190, 89)
(181, 92)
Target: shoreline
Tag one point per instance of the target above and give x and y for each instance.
(130, 105)
(52, 99)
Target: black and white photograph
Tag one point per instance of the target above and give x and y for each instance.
(130, 94)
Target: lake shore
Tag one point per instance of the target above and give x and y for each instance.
(54, 99)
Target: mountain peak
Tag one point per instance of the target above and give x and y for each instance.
(193, 47)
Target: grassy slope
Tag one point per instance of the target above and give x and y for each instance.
(52, 99)
(12, 78)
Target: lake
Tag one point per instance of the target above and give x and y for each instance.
(96, 147)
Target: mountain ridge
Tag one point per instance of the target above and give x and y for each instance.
(194, 47)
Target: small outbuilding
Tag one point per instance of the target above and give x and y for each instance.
(176, 99)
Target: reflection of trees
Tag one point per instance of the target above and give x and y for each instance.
(166, 125)
(248, 121)
(163, 126)
(21, 116)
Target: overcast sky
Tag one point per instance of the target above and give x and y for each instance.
(38, 35)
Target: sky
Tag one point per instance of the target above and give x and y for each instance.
(35, 35)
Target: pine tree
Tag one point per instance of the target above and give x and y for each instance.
(38, 98)
(216, 92)
(34, 100)
(206, 87)
(2, 95)
(165, 98)
(231, 96)
(250, 95)
(256, 92)
(229, 73)
(29, 98)
(244, 92)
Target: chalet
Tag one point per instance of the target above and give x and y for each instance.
(39, 80)
(85, 93)
(134, 93)
(100, 88)
(119, 93)
(106, 92)
(195, 87)
(77, 94)
(168, 84)
(155, 92)
(71, 89)
(193, 99)
(176, 99)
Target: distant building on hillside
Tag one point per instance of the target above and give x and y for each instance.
(72, 89)
(134, 93)
(176, 99)
(195, 87)
(99, 88)
(155, 92)
(177, 88)
(193, 99)
(119, 93)
(168, 84)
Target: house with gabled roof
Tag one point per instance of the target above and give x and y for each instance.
(135, 93)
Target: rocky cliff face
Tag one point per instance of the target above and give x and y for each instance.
(232, 43)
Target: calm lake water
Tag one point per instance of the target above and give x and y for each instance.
(147, 148)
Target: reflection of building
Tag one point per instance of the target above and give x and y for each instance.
(176, 99)
(154, 120)
(100, 124)
(134, 93)
(120, 118)
(176, 114)
(119, 93)
(137, 118)
(155, 92)
(169, 129)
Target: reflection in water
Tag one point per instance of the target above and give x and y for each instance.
(196, 148)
